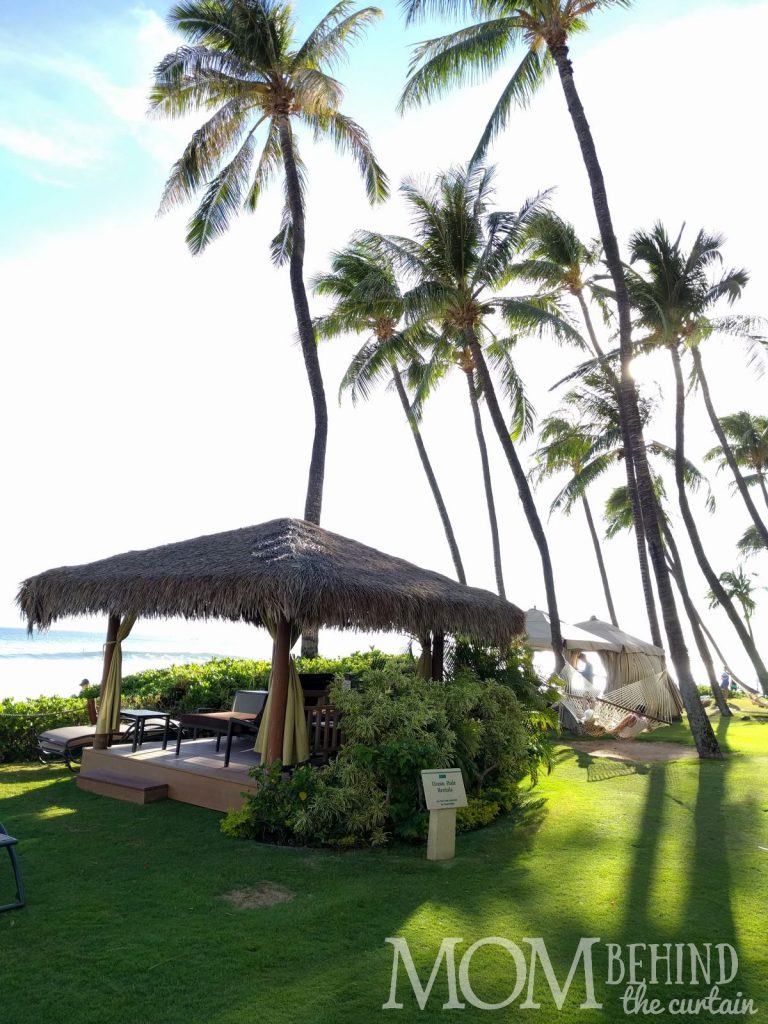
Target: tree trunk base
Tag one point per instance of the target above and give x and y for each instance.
(309, 645)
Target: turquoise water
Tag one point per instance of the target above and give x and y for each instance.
(54, 663)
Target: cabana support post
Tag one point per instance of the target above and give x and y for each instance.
(280, 666)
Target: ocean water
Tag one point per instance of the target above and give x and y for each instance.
(54, 663)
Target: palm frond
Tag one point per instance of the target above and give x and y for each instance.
(370, 366)
(328, 42)
(222, 199)
(348, 137)
(530, 73)
(204, 153)
(268, 167)
(467, 56)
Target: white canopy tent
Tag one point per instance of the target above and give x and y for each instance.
(576, 639)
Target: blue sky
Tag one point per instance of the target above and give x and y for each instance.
(141, 387)
(70, 154)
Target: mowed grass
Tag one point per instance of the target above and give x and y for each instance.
(126, 923)
(745, 732)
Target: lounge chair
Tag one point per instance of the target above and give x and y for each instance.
(68, 742)
(8, 842)
(244, 717)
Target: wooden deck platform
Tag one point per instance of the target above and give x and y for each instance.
(197, 776)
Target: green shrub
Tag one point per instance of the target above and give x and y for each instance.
(476, 814)
(175, 689)
(213, 684)
(21, 722)
(397, 724)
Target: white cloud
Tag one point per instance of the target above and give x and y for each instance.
(117, 107)
(40, 148)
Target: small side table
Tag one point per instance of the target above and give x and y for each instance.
(139, 717)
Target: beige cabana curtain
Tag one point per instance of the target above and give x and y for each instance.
(295, 739)
(109, 708)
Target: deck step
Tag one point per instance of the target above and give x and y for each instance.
(121, 787)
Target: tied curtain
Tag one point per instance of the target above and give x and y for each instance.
(295, 739)
(109, 708)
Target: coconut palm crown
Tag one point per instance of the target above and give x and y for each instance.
(455, 263)
(244, 64)
(475, 52)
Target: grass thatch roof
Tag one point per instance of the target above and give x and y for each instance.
(286, 567)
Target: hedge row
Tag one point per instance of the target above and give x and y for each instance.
(177, 688)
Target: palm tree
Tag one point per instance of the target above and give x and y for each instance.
(543, 27)
(367, 298)
(561, 264)
(448, 350)
(740, 587)
(618, 517)
(747, 436)
(668, 299)
(243, 62)
(566, 445)
(460, 253)
(751, 543)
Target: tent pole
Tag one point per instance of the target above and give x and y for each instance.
(279, 700)
(100, 742)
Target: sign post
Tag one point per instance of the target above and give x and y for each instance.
(444, 792)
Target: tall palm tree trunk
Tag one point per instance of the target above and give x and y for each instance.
(641, 494)
(676, 568)
(729, 456)
(709, 573)
(489, 499)
(314, 500)
(429, 472)
(524, 490)
(764, 489)
(637, 519)
(600, 560)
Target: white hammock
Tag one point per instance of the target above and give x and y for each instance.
(642, 706)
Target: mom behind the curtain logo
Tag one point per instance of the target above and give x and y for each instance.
(637, 979)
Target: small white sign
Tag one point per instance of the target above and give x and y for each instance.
(443, 788)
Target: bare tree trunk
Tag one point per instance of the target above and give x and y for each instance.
(762, 529)
(637, 518)
(524, 491)
(600, 560)
(489, 499)
(698, 548)
(676, 568)
(431, 478)
(764, 489)
(644, 500)
(314, 499)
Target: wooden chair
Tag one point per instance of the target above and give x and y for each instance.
(324, 733)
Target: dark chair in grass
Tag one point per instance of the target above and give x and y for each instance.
(244, 717)
(8, 843)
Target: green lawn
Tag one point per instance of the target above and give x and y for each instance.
(742, 733)
(126, 925)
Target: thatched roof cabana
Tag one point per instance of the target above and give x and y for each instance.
(287, 575)
(286, 569)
